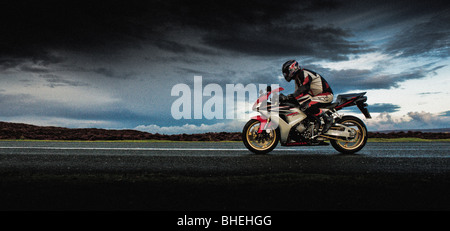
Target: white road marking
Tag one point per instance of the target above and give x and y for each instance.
(149, 149)
(296, 150)
(128, 149)
(304, 148)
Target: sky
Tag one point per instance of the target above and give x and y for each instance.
(114, 64)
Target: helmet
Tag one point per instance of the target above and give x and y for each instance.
(289, 69)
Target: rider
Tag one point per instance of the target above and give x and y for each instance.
(309, 84)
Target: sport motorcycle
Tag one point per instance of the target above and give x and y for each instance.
(285, 122)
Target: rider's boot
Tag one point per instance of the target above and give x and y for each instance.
(327, 119)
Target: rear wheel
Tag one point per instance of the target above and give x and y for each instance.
(357, 141)
(259, 143)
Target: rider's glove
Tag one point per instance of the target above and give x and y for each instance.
(283, 98)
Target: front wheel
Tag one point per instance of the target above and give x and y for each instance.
(259, 143)
(357, 141)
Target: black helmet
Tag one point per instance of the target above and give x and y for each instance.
(289, 69)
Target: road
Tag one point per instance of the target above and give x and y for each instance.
(218, 158)
(221, 176)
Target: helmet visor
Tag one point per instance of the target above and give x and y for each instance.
(286, 76)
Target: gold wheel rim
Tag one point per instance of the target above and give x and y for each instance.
(357, 141)
(254, 138)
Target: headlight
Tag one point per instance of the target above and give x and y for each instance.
(256, 106)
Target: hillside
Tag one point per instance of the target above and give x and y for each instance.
(26, 131)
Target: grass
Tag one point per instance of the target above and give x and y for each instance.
(113, 141)
(406, 139)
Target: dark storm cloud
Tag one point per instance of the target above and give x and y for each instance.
(110, 73)
(383, 107)
(7, 63)
(272, 28)
(33, 68)
(378, 108)
(58, 81)
(33, 29)
(429, 38)
(327, 43)
(177, 47)
(26, 63)
(261, 75)
(367, 79)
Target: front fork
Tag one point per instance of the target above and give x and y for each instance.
(263, 122)
(266, 123)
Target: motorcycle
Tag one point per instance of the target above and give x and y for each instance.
(286, 123)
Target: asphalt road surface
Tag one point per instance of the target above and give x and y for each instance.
(223, 176)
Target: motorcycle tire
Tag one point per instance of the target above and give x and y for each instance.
(259, 143)
(353, 145)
